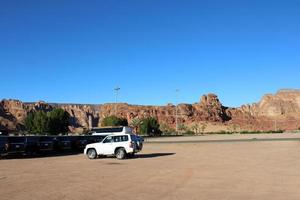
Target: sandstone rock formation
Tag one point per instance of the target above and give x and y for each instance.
(279, 111)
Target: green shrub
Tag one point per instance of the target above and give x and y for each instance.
(58, 121)
(189, 132)
(37, 123)
(150, 126)
(53, 122)
(114, 121)
(222, 132)
(262, 132)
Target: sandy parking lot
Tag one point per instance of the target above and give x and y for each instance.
(233, 171)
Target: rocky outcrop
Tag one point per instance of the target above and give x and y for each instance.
(279, 111)
(12, 113)
(283, 103)
(210, 109)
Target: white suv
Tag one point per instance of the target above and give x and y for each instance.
(120, 145)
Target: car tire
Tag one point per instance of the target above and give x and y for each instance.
(92, 154)
(120, 153)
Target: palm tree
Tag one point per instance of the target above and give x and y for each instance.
(135, 123)
(195, 127)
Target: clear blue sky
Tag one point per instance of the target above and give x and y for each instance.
(78, 51)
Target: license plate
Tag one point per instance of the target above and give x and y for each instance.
(17, 146)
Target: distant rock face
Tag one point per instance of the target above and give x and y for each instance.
(211, 109)
(12, 112)
(279, 111)
(284, 103)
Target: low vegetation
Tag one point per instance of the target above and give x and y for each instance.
(150, 126)
(189, 133)
(42, 123)
(262, 132)
(114, 121)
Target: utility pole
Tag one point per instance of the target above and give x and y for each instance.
(176, 112)
(117, 89)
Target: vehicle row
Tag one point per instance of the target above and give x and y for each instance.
(30, 145)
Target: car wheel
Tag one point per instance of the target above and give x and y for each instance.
(120, 153)
(92, 154)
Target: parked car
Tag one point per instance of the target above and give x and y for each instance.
(16, 145)
(62, 143)
(139, 141)
(95, 138)
(45, 144)
(122, 146)
(111, 130)
(3, 145)
(79, 142)
(31, 146)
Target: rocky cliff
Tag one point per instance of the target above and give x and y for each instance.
(279, 111)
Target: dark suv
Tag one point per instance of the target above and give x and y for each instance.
(79, 142)
(45, 144)
(62, 143)
(31, 146)
(16, 145)
(3, 145)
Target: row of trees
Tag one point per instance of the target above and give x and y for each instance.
(54, 122)
(57, 121)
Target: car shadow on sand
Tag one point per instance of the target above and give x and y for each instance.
(152, 155)
(72, 153)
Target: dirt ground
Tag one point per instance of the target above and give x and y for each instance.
(233, 171)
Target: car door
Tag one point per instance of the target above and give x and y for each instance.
(107, 146)
(117, 142)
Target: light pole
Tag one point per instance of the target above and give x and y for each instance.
(176, 112)
(117, 93)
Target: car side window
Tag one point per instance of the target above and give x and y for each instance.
(108, 140)
(117, 139)
(124, 138)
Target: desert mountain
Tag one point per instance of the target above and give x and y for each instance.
(278, 111)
